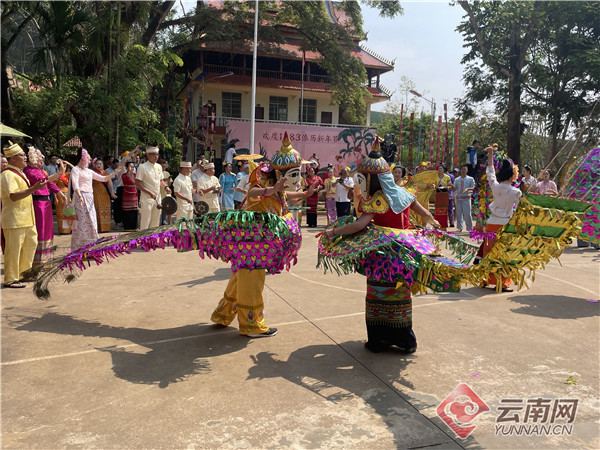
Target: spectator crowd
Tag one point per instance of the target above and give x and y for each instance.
(98, 195)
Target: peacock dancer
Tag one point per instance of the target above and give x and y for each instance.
(506, 198)
(399, 261)
(384, 219)
(270, 188)
(264, 237)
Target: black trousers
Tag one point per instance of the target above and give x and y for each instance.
(117, 206)
(343, 208)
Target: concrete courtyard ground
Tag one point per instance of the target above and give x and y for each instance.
(126, 357)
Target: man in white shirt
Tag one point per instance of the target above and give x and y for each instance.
(149, 180)
(114, 165)
(183, 189)
(463, 188)
(209, 185)
(52, 166)
(242, 186)
(195, 176)
(343, 185)
(229, 154)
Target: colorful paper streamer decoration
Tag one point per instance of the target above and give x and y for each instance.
(584, 185)
(539, 230)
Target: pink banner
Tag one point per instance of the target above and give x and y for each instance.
(338, 146)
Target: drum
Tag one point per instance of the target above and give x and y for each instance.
(169, 206)
(442, 199)
(201, 208)
(441, 208)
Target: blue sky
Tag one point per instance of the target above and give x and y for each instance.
(426, 47)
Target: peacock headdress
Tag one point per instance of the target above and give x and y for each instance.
(286, 158)
(374, 163)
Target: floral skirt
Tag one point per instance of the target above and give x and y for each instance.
(85, 228)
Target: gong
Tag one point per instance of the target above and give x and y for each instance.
(169, 206)
(201, 208)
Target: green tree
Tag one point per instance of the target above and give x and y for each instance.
(104, 64)
(499, 35)
(539, 59)
(564, 73)
(91, 63)
(14, 19)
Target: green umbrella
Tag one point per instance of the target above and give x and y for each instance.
(8, 131)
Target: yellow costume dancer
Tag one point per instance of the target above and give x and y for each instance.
(270, 188)
(425, 180)
(18, 217)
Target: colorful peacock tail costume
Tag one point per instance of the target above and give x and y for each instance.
(583, 184)
(245, 239)
(398, 261)
(262, 238)
(539, 230)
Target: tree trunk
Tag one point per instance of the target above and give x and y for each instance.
(513, 139)
(58, 144)
(553, 143)
(6, 113)
(158, 15)
(116, 136)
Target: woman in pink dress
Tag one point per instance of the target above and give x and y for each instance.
(311, 179)
(42, 207)
(85, 228)
(546, 186)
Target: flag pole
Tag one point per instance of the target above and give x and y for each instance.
(253, 100)
(419, 144)
(400, 134)
(302, 88)
(410, 141)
